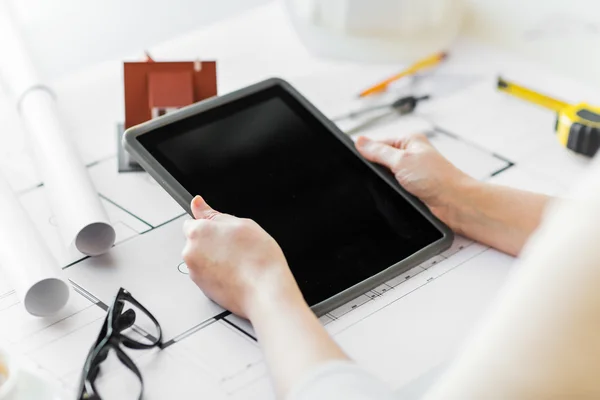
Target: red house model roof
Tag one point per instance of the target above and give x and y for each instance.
(165, 85)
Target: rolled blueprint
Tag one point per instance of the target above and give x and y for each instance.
(82, 220)
(27, 261)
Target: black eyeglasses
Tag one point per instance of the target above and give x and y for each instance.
(127, 324)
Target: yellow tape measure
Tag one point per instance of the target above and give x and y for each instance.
(577, 126)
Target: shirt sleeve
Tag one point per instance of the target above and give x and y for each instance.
(339, 380)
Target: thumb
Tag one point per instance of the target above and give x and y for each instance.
(201, 210)
(378, 152)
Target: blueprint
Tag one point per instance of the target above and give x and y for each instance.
(397, 331)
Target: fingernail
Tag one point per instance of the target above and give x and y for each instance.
(362, 141)
(196, 201)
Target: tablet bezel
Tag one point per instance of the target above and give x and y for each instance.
(184, 198)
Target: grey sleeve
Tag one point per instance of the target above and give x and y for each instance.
(340, 380)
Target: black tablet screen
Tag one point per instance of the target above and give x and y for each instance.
(267, 158)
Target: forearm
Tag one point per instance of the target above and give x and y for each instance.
(540, 339)
(498, 216)
(292, 339)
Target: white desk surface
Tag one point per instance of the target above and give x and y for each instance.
(399, 330)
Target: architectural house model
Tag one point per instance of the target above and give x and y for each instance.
(153, 89)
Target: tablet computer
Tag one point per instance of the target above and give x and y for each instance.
(266, 153)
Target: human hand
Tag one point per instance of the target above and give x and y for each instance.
(421, 170)
(235, 262)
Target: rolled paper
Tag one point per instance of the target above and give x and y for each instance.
(81, 218)
(26, 261)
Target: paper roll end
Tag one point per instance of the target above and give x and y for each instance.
(95, 239)
(46, 297)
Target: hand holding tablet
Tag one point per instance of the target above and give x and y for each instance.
(251, 265)
(265, 153)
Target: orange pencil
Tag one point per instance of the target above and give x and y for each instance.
(416, 67)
